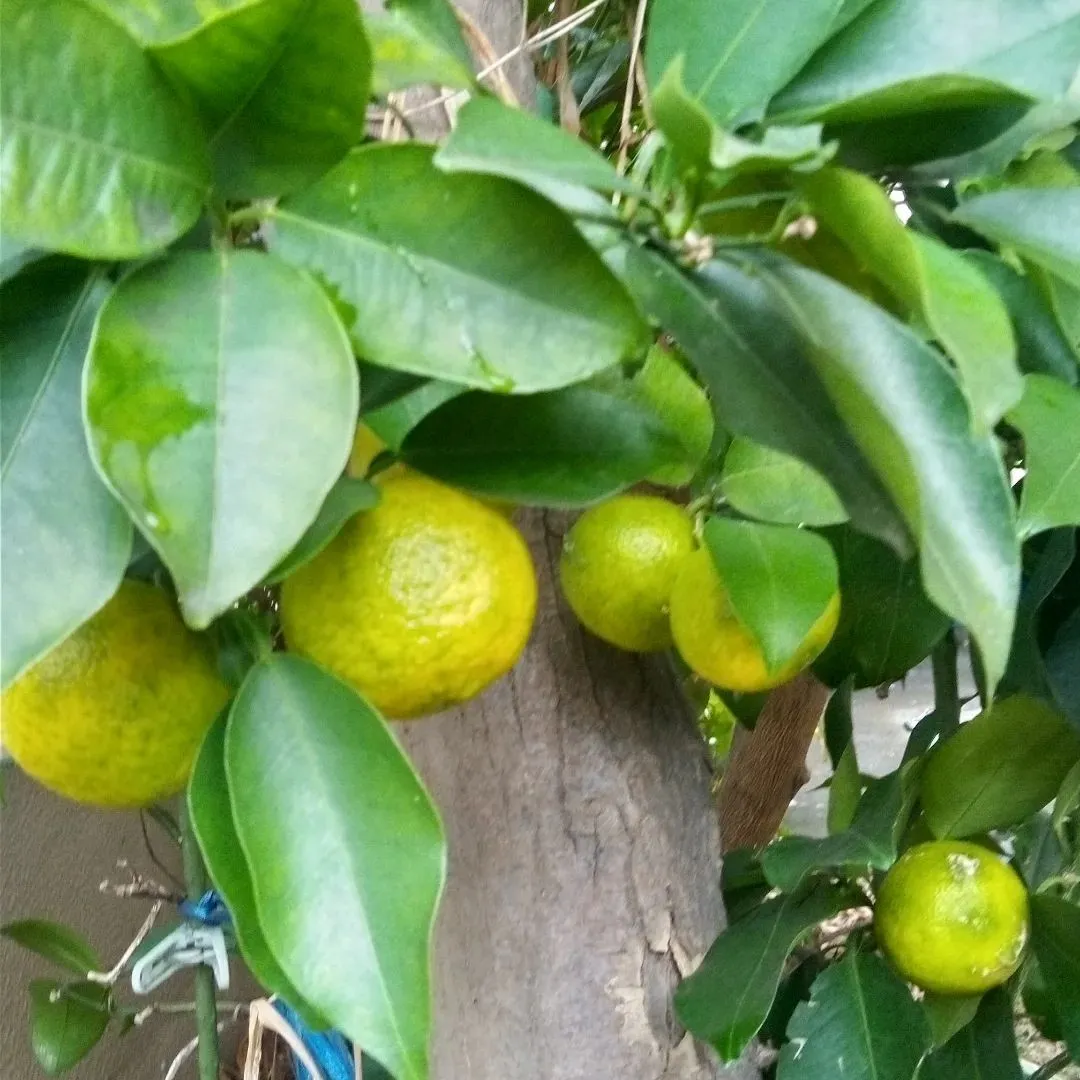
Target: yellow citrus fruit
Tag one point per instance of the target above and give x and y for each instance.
(717, 646)
(114, 715)
(367, 446)
(618, 565)
(952, 917)
(419, 603)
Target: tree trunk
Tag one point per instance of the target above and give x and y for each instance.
(584, 861)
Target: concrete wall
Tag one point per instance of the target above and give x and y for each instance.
(53, 856)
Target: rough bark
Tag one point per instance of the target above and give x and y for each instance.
(584, 861)
(767, 766)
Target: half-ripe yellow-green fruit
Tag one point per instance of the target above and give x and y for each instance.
(618, 565)
(114, 715)
(712, 640)
(419, 603)
(952, 917)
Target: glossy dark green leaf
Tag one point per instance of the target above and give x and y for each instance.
(464, 263)
(220, 444)
(55, 942)
(356, 889)
(960, 308)
(270, 78)
(568, 448)
(1048, 416)
(761, 383)
(394, 421)
(1041, 346)
(123, 174)
(780, 581)
(984, 1050)
(880, 818)
(15, 255)
(773, 486)
(1041, 224)
(64, 1031)
(212, 819)
(887, 625)
(404, 53)
(906, 411)
(997, 769)
(1039, 854)
(345, 500)
(845, 787)
(916, 56)
(736, 54)
(664, 387)
(860, 1013)
(1055, 938)
(490, 137)
(948, 1015)
(55, 510)
(725, 1002)
(1067, 805)
(1063, 668)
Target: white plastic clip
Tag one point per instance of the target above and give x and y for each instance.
(186, 946)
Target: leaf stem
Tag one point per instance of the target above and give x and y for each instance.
(1053, 1066)
(205, 1002)
(946, 684)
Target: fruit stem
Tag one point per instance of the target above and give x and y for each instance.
(205, 1002)
(946, 684)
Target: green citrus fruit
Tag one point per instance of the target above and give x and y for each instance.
(717, 646)
(618, 566)
(420, 603)
(952, 917)
(114, 715)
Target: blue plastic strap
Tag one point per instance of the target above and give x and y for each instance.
(328, 1049)
(209, 910)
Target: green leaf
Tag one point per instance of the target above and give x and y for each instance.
(355, 891)
(664, 387)
(394, 421)
(345, 500)
(566, 448)
(55, 510)
(55, 942)
(1039, 855)
(984, 1050)
(845, 787)
(725, 1002)
(439, 20)
(887, 625)
(1041, 346)
(761, 383)
(64, 1031)
(283, 85)
(909, 417)
(997, 769)
(493, 138)
(958, 305)
(1055, 938)
(735, 55)
(1066, 805)
(948, 1015)
(1048, 416)
(1041, 224)
(218, 442)
(464, 262)
(859, 1013)
(780, 581)
(123, 174)
(914, 56)
(16, 256)
(212, 820)
(1063, 668)
(773, 486)
(880, 818)
(404, 54)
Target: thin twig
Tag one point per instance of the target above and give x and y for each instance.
(569, 114)
(946, 684)
(108, 978)
(1052, 1067)
(626, 131)
(181, 1008)
(153, 854)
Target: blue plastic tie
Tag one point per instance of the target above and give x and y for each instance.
(209, 910)
(328, 1049)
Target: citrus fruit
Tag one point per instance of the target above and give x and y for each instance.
(717, 646)
(114, 715)
(952, 917)
(419, 603)
(367, 446)
(618, 565)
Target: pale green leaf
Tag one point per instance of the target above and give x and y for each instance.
(404, 53)
(64, 1031)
